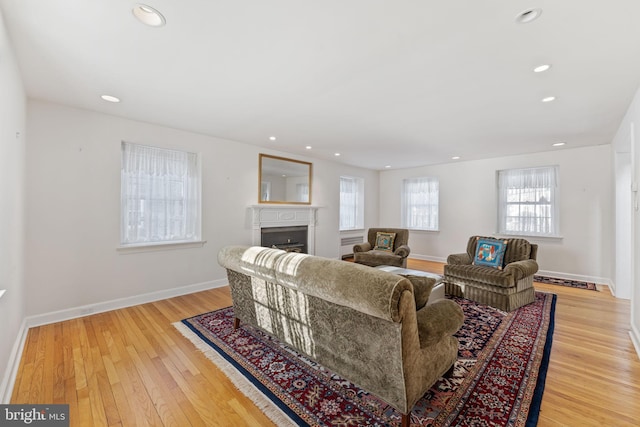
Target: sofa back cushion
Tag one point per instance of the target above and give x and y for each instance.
(362, 288)
(517, 249)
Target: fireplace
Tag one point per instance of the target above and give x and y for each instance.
(298, 224)
(290, 239)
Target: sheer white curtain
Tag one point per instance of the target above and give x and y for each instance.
(160, 192)
(527, 202)
(420, 203)
(348, 203)
(351, 203)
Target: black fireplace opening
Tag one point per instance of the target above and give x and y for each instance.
(290, 239)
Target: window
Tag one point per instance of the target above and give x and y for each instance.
(420, 203)
(351, 203)
(527, 201)
(160, 191)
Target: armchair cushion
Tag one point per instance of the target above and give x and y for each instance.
(490, 252)
(384, 241)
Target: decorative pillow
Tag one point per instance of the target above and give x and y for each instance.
(422, 287)
(490, 253)
(384, 241)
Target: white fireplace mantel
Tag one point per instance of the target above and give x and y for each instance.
(265, 216)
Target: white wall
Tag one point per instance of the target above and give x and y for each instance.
(468, 206)
(12, 158)
(626, 141)
(73, 202)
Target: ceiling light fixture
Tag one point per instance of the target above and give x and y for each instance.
(308, 147)
(110, 98)
(272, 138)
(387, 166)
(336, 154)
(548, 99)
(559, 144)
(528, 15)
(148, 15)
(541, 68)
(455, 158)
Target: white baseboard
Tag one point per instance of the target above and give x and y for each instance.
(9, 378)
(428, 258)
(6, 387)
(578, 277)
(635, 339)
(101, 307)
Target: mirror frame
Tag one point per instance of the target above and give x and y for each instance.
(284, 159)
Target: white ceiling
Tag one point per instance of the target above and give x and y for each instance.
(383, 82)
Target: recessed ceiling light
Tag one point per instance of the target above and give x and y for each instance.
(110, 98)
(387, 166)
(336, 154)
(548, 99)
(541, 68)
(559, 144)
(455, 157)
(272, 138)
(148, 15)
(528, 15)
(308, 147)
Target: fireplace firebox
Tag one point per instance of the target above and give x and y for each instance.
(290, 238)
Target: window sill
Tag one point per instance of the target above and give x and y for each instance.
(159, 246)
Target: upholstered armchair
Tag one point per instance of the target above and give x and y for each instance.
(384, 246)
(507, 285)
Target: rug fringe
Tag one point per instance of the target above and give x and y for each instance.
(272, 411)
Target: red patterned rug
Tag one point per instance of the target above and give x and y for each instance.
(498, 379)
(566, 282)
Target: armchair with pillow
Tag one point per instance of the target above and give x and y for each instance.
(496, 272)
(384, 246)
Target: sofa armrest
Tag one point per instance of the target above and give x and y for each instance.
(459, 259)
(437, 320)
(522, 269)
(362, 247)
(402, 251)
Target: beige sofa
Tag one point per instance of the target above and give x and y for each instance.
(358, 321)
(506, 289)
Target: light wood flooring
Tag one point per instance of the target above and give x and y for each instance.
(132, 367)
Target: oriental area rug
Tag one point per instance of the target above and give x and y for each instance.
(498, 378)
(566, 282)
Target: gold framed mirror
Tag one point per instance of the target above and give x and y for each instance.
(282, 180)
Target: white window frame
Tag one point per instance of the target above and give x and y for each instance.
(530, 194)
(421, 203)
(351, 203)
(185, 217)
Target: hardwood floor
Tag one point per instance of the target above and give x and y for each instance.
(132, 367)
